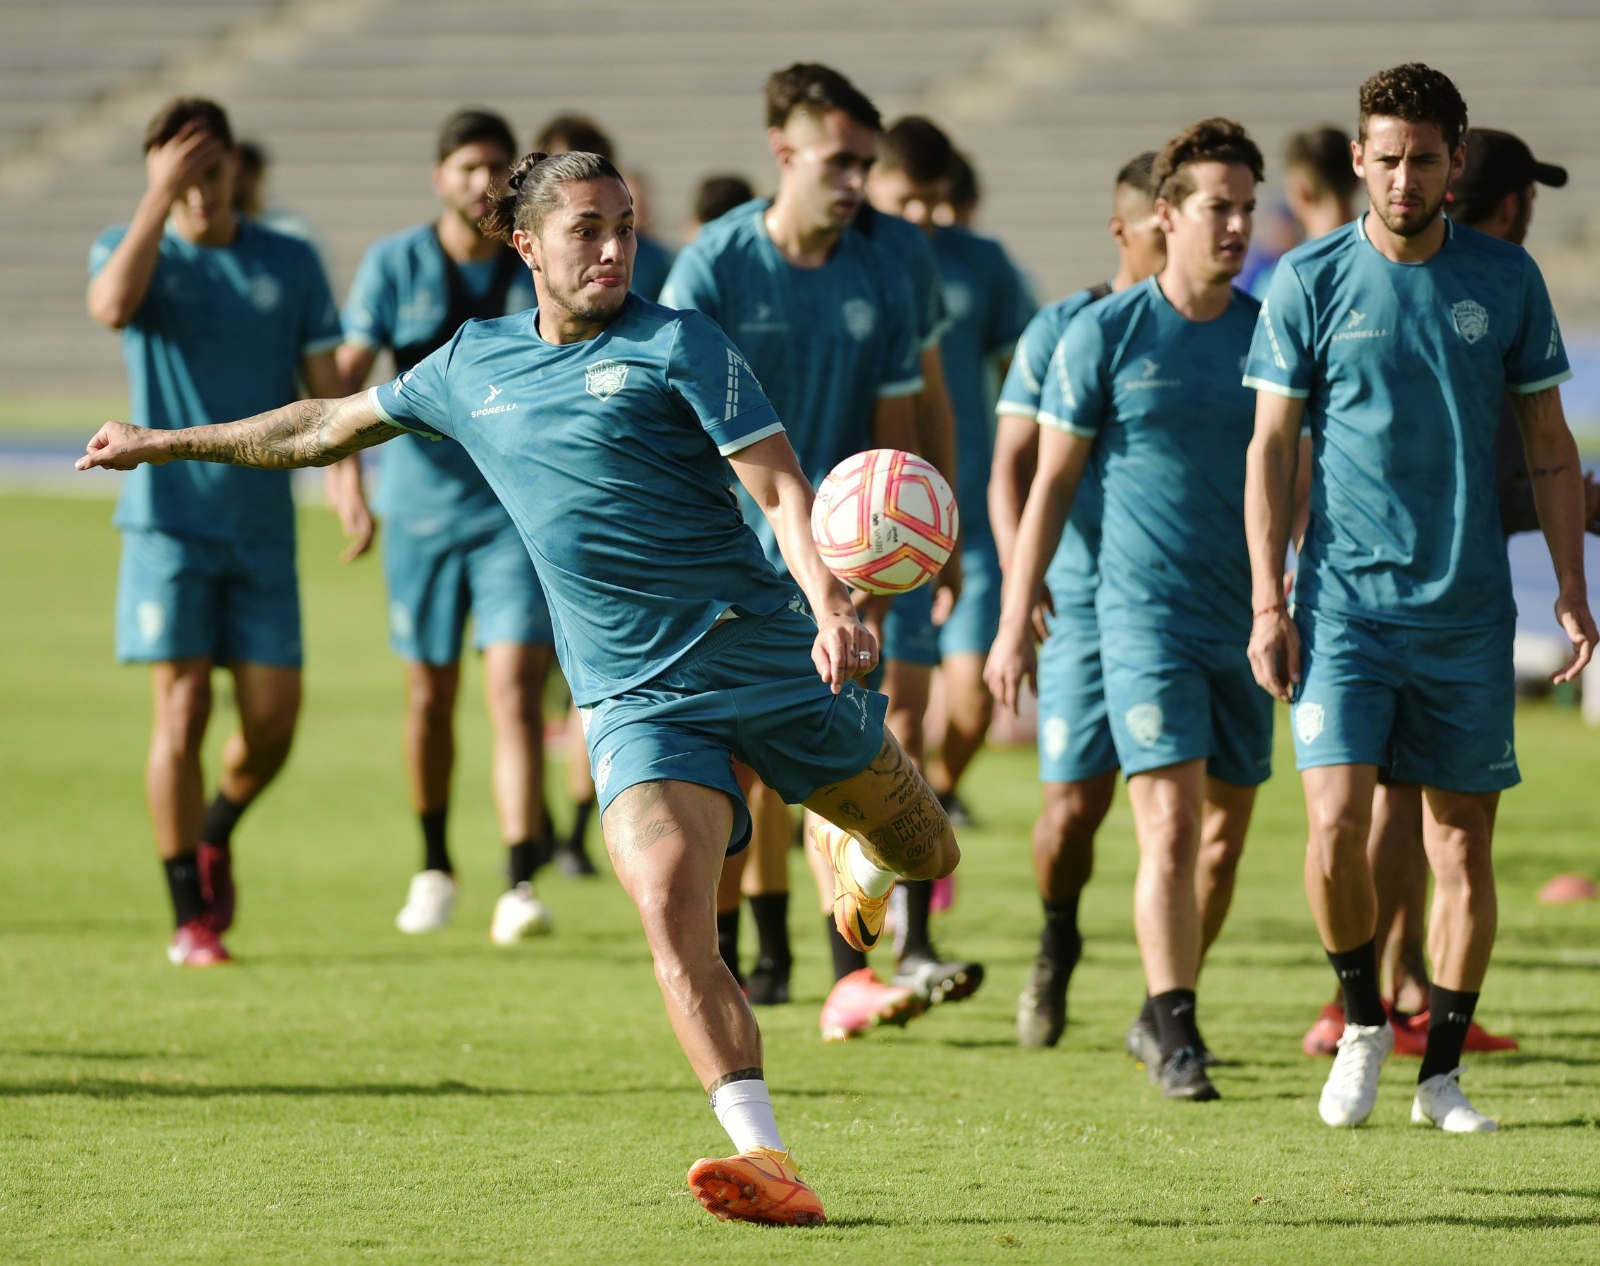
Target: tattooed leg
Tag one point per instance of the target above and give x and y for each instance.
(667, 841)
(894, 813)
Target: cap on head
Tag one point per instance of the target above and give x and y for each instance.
(1415, 93)
(816, 89)
(1498, 163)
(178, 113)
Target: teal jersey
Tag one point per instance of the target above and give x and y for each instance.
(825, 343)
(988, 309)
(1404, 369)
(1074, 572)
(610, 457)
(219, 336)
(651, 263)
(911, 248)
(399, 299)
(1171, 423)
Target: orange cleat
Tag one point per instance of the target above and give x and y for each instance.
(860, 1001)
(1322, 1038)
(761, 1185)
(858, 917)
(195, 944)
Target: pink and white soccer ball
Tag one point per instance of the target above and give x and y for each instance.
(885, 521)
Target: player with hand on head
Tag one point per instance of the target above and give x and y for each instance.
(450, 548)
(1398, 338)
(220, 316)
(1142, 384)
(1077, 759)
(592, 417)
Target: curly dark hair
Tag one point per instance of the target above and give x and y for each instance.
(1208, 141)
(1417, 94)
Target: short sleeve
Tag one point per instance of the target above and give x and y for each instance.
(1536, 359)
(1076, 397)
(902, 350)
(1282, 359)
(100, 251)
(691, 283)
(1019, 394)
(706, 371)
(319, 317)
(371, 308)
(419, 399)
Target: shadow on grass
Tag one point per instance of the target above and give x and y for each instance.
(1559, 1193)
(90, 1088)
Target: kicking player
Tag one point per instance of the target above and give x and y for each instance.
(597, 419)
(1140, 382)
(450, 548)
(827, 319)
(1077, 759)
(219, 315)
(1398, 338)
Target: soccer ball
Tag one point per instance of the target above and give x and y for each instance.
(884, 521)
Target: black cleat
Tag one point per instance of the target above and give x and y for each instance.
(1184, 1077)
(1144, 1044)
(936, 981)
(955, 808)
(1042, 1008)
(767, 984)
(573, 861)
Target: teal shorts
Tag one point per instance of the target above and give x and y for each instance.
(438, 570)
(972, 625)
(1425, 705)
(747, 691)
(908, 632)
(1075, 741)
(188, 597)
(1175, 698)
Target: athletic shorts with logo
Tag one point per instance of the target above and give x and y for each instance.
(1435, 706)
(1075, 741)
(972, 626)
(439, 569)
(746, 690)
(1175, 698)
(189, 597)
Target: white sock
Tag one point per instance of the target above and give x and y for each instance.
(745, 1110)
(872, 878)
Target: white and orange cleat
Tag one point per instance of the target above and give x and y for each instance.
(858, 917)
(860, 1001)
(761, 1185)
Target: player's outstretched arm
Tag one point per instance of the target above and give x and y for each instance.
(771, 474)
(305, 433)
(1560, 497)
(1062, 458)
(1269, 517)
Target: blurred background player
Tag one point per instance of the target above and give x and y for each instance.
(1319, 190)
(220, 317)
(1143, 382)
(716, 196)
(250, 195)
(1077, 760)
(961, 194)
(449, 548)
(1404, 664)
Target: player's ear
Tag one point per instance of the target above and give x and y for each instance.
(1356, 163)
(1166, 215)
(779, 144)
(1458, 160)
(525, 244)
(1119, 230)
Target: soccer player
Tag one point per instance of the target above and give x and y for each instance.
(1319, 187)
(608, 426)
(1142, 383)
(1397, 338)
(1077, 759)
(716, 196)
(827, 318)
(450, 548)
(218, 316)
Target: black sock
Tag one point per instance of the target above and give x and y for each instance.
(183, 882)
(1147, 1013)
(1358, 976)
(919, 905)
(435, 854)
(1174, 1013)
(728, 939)
(222, 815)
(525, 857)
(1060, 941)
(771, 913)
(584, 810)
(846, 957)
(1449, 1014)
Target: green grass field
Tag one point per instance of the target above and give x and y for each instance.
(348, 1094)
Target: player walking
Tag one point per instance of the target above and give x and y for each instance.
(450, 548)
(219, 314)
(1139, 382)
(1398, 337)
(607, 426)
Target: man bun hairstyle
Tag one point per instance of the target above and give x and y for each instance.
(178, 113)
(1415, 93)
(1323, 154)
(1208, 141)
(574, 134)
(917, 146)
(814, 89)
(1135, 174)
(475, 126)
(533, 190)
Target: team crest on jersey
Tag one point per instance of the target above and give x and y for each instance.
(1145, 722)
(604, 379)
(957, 299)
(1055, 734)
(1471, 318)
(265, 292)
(1308, 721)
(860, 318)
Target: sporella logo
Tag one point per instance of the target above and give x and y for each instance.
(489, 405)
(602, 773)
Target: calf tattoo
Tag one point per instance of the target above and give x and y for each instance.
(738, 1074)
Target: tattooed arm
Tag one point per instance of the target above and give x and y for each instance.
(1558, 494)
(306, 433)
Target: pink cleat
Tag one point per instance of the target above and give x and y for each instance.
(860, 1001)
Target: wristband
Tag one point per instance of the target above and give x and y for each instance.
(1278, 608)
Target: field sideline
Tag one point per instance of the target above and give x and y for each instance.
(347, 1094)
